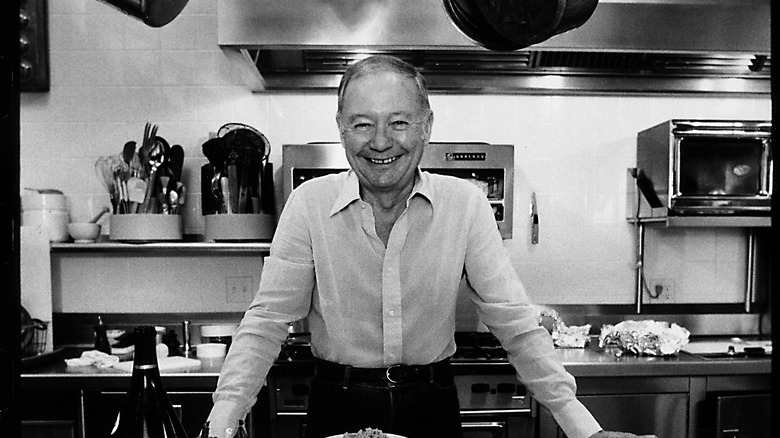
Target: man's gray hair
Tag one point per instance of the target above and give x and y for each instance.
(385, 63)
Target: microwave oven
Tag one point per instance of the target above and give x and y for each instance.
(705, 167)
(489, 166)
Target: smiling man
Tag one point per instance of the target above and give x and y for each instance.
(374, 258)
(385, 123)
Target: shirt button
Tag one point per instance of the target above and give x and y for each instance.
(392, 313)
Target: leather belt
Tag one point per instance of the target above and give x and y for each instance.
(390, 376)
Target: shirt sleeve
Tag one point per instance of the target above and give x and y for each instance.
(284, 297)
(503, 306)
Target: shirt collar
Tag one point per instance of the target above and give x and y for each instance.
(350, 191)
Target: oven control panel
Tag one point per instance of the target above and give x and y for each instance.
(477, 393)
(492, 392)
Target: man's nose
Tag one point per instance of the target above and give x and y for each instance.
(383, 139)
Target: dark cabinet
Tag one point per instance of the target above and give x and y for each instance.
(665, 415)
(50, 413)
(736, 415)
(192, 407)
(101, 409)
(642, 406)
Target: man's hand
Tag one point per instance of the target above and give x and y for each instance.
(605, 434)
(223, 422)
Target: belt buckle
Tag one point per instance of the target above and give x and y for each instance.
(388, 374)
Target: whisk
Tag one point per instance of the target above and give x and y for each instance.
(121, 173)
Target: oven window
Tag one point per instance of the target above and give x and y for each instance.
(720, 166)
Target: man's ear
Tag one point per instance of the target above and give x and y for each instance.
(428, 126)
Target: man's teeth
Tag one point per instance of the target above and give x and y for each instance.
(385, 161)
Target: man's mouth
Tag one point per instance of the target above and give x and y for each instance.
(383, 160)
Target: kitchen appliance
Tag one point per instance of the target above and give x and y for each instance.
(625, 46)
(493, 403)
(489, 166)
(34, 45)
(704, 168)
(736, 415)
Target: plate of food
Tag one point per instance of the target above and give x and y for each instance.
(367, 433)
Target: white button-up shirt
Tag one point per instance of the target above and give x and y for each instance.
(374, 306)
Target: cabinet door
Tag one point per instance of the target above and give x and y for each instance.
(47, 413)
(665, 415)
(102, 408)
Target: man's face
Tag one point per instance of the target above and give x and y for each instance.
(384, 130)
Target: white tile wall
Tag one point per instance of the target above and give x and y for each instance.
(110, 74)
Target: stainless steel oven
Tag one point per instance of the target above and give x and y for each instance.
(493, 403)
(706, 167)
(489, 166)
(492, 406)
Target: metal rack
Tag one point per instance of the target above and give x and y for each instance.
(749, 222)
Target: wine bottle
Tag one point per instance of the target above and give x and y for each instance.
(101, 337)
(148, 412)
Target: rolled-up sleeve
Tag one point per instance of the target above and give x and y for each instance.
(284, 296)
(503, 306)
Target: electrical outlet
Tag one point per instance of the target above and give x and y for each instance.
(662, 291)
(239, 289)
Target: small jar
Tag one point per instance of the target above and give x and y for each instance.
(47, 210)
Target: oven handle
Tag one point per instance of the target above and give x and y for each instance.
(467, 412)
(731, 133)
(499, 425)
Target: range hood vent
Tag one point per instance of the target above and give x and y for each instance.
(530, 72)
(711, 46)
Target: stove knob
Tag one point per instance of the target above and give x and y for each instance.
(480, 388)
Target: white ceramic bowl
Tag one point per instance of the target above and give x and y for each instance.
(388, 435)
(84, 231)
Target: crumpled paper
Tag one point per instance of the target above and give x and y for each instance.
(93, 358)
(648, 337)
(566, 336)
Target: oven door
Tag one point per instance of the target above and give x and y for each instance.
(496, 428)
(498, 424)
(721, 174)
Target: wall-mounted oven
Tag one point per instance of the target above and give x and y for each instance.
(489, 166)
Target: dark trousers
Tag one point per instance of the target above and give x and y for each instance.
(416, 409)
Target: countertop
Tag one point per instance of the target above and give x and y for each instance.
(591, 361)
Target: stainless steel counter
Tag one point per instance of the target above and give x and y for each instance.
(582, 363)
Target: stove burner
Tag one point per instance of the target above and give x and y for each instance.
(478, 346)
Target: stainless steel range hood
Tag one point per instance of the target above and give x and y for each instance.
(627, 46)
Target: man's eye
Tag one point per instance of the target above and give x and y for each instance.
(362, 127)
(399, 125)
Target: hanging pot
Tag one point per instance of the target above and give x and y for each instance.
(529, 22)
(468, 19)
(155, 13)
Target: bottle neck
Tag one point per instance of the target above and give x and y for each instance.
(145, 356)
